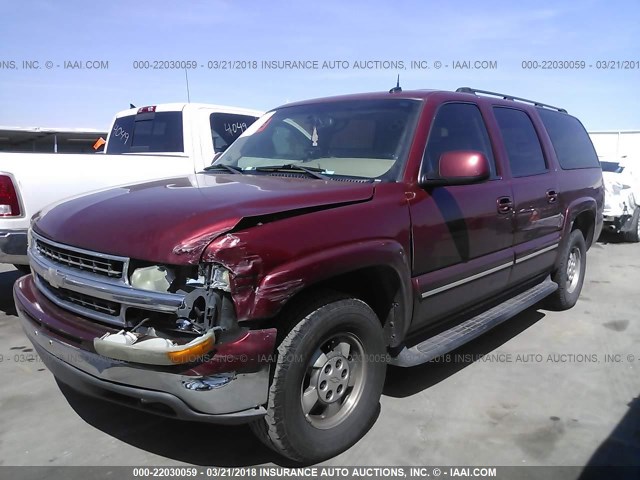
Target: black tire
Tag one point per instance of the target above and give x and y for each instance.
(24, 269)
(633, 234)
(569, 285)
(350, 411)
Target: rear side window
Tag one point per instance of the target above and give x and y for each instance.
(457, 126)
(147, 132)
(570, 140)
(521, 142)
(227, 127)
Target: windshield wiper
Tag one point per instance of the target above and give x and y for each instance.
(222, 166)
(314, 172)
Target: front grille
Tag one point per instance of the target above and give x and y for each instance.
(91, 284)
(85, 301)
(80, 260)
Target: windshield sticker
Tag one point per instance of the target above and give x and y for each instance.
(314, 137)
(118, 131)
(235, 128)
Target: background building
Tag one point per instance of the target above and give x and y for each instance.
(50, 140)
(616, 144)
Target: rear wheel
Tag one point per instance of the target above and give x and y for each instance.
(570, 273)
(327, 382)
(633, 234)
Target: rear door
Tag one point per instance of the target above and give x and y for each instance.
(462, 237)
(537, 216)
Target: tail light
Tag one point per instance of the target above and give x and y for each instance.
(9, 203)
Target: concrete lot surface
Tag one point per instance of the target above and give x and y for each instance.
(545, 388)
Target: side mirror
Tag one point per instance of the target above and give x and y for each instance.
(460, 167)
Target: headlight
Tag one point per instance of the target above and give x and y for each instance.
(156, 278)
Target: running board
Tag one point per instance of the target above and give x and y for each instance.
(460, 334)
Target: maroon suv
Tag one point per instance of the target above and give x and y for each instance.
(334, 237)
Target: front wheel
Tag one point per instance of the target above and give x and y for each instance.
(327, 381)
(570, 273)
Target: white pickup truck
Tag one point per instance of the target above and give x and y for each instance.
(144, 143)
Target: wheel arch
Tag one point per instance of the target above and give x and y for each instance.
(585, 222)
(581, 214)
(375, 272)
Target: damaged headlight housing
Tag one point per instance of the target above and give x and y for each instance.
(181, 337)
(220, 278)
(156, 278)
(159, 278)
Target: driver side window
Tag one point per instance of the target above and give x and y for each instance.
(457, 126)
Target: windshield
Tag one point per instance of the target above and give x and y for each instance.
(611, 167)
(366, 138)
(147, 132)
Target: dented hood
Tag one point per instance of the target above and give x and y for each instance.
(173, 220)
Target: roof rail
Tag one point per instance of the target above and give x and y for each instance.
(475, 91)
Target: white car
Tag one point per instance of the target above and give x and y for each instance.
(622, 197)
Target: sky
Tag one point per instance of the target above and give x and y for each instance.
(121, 36)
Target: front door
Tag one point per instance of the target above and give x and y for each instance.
(462, 235)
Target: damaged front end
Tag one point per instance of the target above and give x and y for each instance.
(159, 334)
(620, 204)
(188, 335)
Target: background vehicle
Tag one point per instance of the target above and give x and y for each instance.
(622, 198)
(333, 237)
(143, 143)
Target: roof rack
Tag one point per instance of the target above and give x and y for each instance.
(475, 91)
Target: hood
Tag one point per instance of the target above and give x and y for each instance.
(173, 220)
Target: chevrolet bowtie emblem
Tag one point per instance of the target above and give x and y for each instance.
(54, 277)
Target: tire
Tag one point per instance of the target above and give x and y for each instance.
(334, 358)
(633, 234)
(24, 269)
(570, 273)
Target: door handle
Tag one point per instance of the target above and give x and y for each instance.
(505, 205)
(552, 196)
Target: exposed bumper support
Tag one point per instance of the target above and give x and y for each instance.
(13, 247)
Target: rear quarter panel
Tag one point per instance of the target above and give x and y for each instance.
(582, 190)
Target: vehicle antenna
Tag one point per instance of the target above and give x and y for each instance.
(397, 88)
(187, 79)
